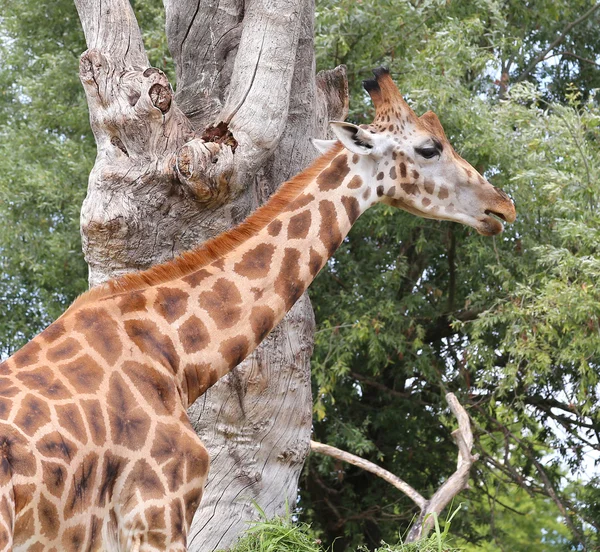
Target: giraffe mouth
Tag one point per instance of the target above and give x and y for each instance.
(496, 214)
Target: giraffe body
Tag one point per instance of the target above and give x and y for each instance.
(97, 451)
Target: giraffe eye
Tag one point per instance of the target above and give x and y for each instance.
(428, 152)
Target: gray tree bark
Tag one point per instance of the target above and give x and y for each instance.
(174, 169)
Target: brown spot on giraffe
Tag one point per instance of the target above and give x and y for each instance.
(193, 335)
(443, 193)
(95, 535)
(177, 517)
(393, 173)
(100, 332)
(27, 355)
(84, 374)
(154, 386)
(219, 263)
(426, 202)
(24, 525)
(112, 466)
(5, 408)
(355, 182)
(70, 419)
(288, 284)
(33, 414)
(299, 225)
(23, 495)
(315, 262)
(352, 208)
(429, 186)
(55, 445)
(301, 201)
(149, 339)
(332, 177)
(53, 332)
(254, 264)
(79, 497)
(196, 278)
(234, 350)
(257, 292)
(55, 475)
(222, 303)
(411, 188)
(45, 383)
(329, 230)
(74, 538)
(144, 480)
(262, 320)
(274, 228)
(198, 377)
(380, 190)
(170, 303)
(15, 456)
(128, 422)
(92, 412)
(134, 301)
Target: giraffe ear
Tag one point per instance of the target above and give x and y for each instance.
(322, 146)
(353, 138)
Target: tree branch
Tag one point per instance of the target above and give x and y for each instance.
(463, 437)
(349, 458)
(111, 26)
(458, 481)
(583, 59)
(560, 38)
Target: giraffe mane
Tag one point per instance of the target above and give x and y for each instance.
(216, 247)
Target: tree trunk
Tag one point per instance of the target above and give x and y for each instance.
(173, 170)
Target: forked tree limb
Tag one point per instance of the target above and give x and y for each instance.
(458, 481)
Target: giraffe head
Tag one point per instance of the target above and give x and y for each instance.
(411, 164)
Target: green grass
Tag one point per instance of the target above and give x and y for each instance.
(282, 535)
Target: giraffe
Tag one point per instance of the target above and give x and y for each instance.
(96, 449)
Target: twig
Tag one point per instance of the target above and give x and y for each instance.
(585, 60)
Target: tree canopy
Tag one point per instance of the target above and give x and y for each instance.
(408, 309)
(411, 308)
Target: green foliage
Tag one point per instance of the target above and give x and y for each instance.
(409, 309)
(45, 156)
(521, 523)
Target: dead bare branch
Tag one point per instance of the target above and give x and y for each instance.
(458, 481)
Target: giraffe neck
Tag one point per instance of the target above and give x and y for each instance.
(202, 314)
(220, 311)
